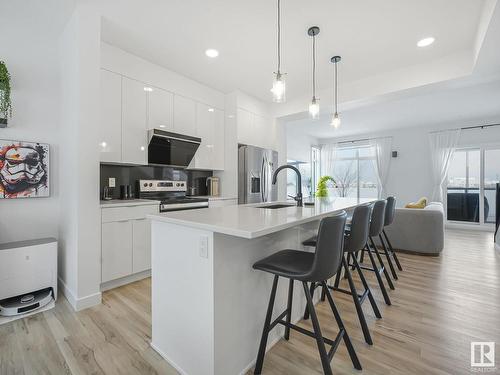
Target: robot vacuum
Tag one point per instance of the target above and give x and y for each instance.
(25, 303)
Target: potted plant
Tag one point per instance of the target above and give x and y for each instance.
(321, 189)
(5, 103)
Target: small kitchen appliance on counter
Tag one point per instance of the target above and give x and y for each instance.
(171, 194)
(213, 186)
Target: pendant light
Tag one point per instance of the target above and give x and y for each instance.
(314, 105)
(335, 117)
(279, 85)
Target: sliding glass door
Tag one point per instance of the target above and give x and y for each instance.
(472, 178)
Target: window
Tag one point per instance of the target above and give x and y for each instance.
(472, 179)
(354, 173)
(291, 178)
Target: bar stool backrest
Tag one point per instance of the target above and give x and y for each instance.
(358, 236)
(378, 218)
(390, 210)
(329, 247)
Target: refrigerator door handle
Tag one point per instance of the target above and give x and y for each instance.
(262, 177)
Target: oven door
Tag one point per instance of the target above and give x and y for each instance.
(182, 206)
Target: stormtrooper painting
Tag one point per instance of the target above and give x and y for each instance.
(24, 169)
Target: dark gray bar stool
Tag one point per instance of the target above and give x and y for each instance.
(376, 227)
(390, 211)
(314, 268)
(355, 240)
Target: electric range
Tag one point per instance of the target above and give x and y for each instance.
(171, 194)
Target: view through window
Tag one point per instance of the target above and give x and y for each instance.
(354, 172)
(472, 179)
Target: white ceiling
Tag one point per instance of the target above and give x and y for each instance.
(373, 37)
(455, 103)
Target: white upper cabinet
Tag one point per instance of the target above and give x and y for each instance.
(210, 128)
(184, 115)
(160, 109)
(205, 124)
(255, 130)
(219, 140)
(246, 132)
(134, 114)
(111, 117)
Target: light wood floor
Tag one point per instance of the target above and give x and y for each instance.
(439, 306)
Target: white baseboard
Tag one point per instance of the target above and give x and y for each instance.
(475, 227)
(125, 280)
(170, 362)
(79, 303)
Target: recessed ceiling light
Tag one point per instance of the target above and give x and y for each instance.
(425, 42)
(162, 126)
(148, 89)
(211, 110)
(212, 52)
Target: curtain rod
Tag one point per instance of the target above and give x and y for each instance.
(468, 128)
(360, 140)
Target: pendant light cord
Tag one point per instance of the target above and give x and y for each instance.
(314, 67)
(336, 92)
(279, 37)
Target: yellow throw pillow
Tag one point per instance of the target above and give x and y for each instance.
(422, 202)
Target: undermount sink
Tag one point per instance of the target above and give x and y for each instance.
(276, 205)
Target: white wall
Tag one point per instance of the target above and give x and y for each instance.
(409, 176)
(298, 144)
(30, 52)
(79, 231)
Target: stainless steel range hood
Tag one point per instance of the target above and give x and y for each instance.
(171, 149)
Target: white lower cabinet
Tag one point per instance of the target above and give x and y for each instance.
(141, 245)
(116, 250)
(125, 241)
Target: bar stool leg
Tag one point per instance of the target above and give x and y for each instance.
(367, 287)
(347, 340)
(379, 278)
(289, 309)
(392, 251)
(311, 292)
(379, 257)
(388, 256)
(325, 362)
(357, 304)
(265, 331)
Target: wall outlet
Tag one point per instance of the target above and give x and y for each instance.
(204, 246)
(111, 182)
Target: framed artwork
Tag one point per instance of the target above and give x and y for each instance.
(24, 169)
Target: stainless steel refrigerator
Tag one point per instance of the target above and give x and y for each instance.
(255, 172)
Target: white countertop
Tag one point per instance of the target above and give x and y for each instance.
(128, 203)
(251, 221)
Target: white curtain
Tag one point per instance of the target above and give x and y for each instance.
(382, 162)
(443, 145)
(328, 159)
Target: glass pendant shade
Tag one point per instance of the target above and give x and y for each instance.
(279, 88)
(314, 109)
(335, 120)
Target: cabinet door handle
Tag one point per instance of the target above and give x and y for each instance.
(122, 221)
(142, 218)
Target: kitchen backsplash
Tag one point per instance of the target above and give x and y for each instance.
(128, 175)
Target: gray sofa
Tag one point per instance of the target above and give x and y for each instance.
(418, 230)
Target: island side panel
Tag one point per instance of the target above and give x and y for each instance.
(182, 297)
(242, 295)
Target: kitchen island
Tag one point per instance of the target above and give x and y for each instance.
(208, 304)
